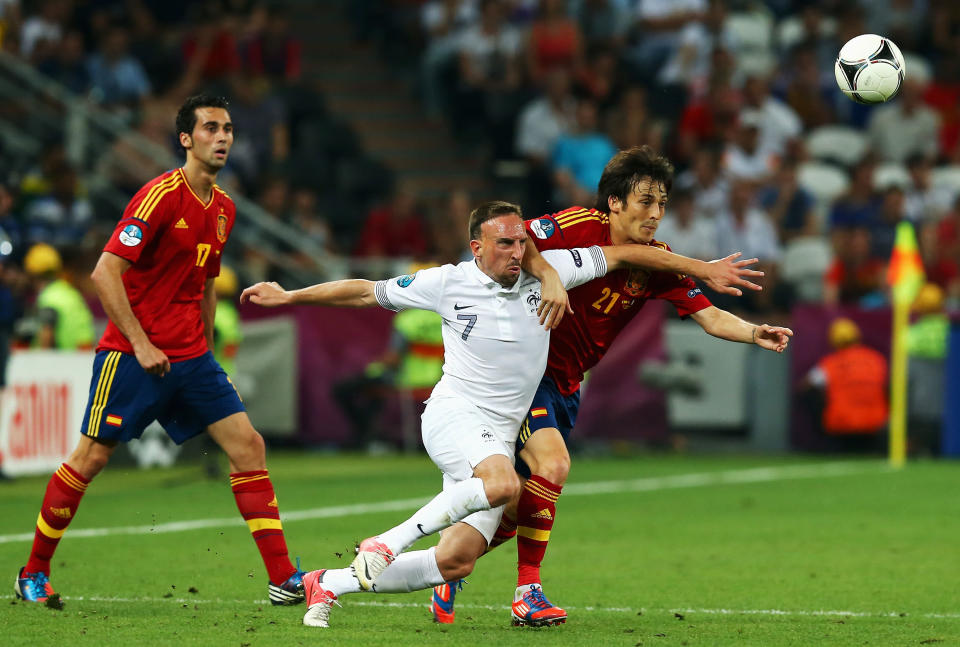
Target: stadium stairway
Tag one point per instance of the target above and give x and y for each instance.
(361, 89)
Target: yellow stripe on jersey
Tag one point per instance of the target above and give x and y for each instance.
(264, 524)
(71, 480)
(533, 533)
(107, 371)
(568, 223)
(192, 192)
(173, 187)
(49, 530)
(535, 488)
(571, 214)
(525, 431)
(225, 194)
(155, 190)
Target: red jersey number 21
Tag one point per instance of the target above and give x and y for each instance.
(203, 250)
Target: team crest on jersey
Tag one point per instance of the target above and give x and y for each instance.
(131, 236)
(542, 228)
(406, 280)
(694, 292)
(222, 227)
(636, 283)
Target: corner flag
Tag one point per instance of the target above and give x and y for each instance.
(905, 277)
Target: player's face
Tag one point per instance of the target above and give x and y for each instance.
(636, 221)
(211, 139)
(500, 248)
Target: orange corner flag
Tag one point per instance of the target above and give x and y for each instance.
(905, 274)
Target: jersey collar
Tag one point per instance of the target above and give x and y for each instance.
(486, 281)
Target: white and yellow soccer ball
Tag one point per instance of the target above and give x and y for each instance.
(870, 69)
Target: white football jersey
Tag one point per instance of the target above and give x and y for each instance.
(495, 350)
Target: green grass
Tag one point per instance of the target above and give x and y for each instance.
(720, 564)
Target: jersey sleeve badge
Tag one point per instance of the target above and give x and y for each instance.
(542, 228)
(406, 280)
(131, 235)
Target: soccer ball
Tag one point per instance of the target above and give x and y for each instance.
(870, 69)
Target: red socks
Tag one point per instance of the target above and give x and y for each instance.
(535, 513)
(60, 503)
(506, 531)
(258, 506)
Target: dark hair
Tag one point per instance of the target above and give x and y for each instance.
(489, 211)
(624, 172)
(187, 115)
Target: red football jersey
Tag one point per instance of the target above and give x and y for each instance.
(601, 307)
(175, 242)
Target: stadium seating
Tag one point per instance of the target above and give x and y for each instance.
(837, 144)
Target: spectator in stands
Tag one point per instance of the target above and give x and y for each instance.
(395, 229)
(261, 116)
(604, 23)
(545, 119)
(117, 79)
(274, 53)
(129, 164)
(210, 49)
(944, 266)
(810, 92)
(631, 123)
(38, 180)
(42, 31)
(660, 23)
(925, 202)
(927, 348)
(853, 379)
(690, 63)
(943, 95)
(599, 79)
(63, 216)
(892, 211)
(490, 76)
(448, 224)
(789, 204)
(541, 124)
(579, 157)
(11, 232)
(777, 121)
(310, 224)
(746, 228)
(685, 232)
(905, 126)
(63, 319)
(554, 40)
(68, 67)
(705, 180)
(747, 156)
(856, 276)
(859, 205)
(443, 22)
(226, 322)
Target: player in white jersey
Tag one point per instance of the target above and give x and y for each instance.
(495, 352)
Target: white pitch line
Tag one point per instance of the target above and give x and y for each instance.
(587, 609)
(651, 484)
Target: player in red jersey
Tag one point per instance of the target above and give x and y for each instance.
(154, 362)
(631, 198)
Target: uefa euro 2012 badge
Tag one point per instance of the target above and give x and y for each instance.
(406, 280)
(542, 228)
(131, 236)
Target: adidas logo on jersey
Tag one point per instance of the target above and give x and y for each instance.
(543, 514)
(273, 504)
(63, 513)
(181, 224)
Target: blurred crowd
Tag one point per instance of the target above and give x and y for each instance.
(772, 160)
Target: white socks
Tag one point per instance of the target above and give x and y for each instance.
(412, 571)
(444, 510)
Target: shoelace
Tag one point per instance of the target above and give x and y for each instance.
(539, 600)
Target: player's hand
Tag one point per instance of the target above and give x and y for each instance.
(725, 274)
(554, 301)
(268, 295)
(153, 360)
(772, 337)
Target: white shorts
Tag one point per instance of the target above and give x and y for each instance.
(458, 437)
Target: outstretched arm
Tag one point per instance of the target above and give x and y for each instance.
(554, 301)
(724, 325)
(349, 293)
(723, 275)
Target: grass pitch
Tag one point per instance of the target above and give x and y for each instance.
(657, 550)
